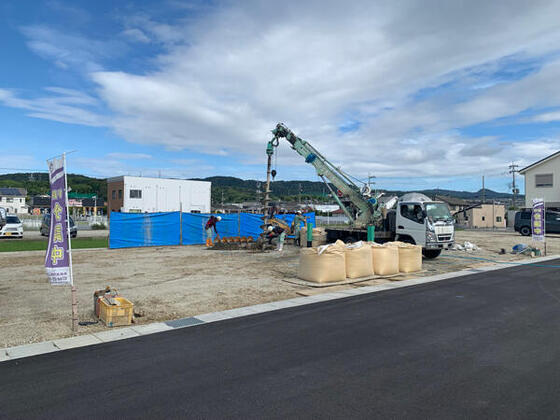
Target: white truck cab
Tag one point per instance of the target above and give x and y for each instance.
(424, 222)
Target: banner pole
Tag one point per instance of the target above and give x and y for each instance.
(73, 288)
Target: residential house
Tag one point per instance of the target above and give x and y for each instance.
(542, 180)
(13, 200)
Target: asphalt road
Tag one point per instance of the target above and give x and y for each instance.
(481, 346)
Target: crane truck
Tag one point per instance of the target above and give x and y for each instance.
(413, 218)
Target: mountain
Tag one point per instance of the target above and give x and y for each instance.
(225, 188)
(37, 183)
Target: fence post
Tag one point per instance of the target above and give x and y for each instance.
(309, 235)
(181, 224)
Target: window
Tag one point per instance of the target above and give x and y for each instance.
(120, 194)
(9, 199)
(135, 193)
(114, 194)
(412, 212)
(483, 218)
(499, 219)
(525, 215)
(543, 181)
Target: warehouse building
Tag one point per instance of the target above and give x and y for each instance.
(133, 194)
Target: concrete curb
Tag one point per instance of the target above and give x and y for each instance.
(13, 353)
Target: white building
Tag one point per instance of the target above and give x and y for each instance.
(133, 194)
(13, 200)
(542, 180)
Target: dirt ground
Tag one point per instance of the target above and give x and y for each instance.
(172, 282)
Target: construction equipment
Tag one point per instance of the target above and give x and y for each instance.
(416, 219)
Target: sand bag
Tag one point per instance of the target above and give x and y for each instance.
(410, 258)
(359, 262)
(319, 237)
(385, 260)
(323, 265)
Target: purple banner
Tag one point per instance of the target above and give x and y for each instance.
(58, 258)
(537, 220)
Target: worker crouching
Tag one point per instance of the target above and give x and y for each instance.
(211, 223)
(276, 232)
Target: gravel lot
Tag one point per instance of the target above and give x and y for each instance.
(172, 282)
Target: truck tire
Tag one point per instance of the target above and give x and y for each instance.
(525, 230)
(431, 253)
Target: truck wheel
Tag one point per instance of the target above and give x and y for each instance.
(525, 230)
(350, 240)
(431, 253)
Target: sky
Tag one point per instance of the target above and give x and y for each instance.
(419, 95)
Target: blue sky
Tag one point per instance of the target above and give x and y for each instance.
(427, 96)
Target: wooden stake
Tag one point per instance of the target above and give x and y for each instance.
(74, 309)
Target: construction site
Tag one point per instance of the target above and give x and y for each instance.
(167, 283)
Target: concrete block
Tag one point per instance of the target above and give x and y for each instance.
(78, 341)
(116, 334)
(31, 350)
(3, 355)
(212, 317)
(151, 328)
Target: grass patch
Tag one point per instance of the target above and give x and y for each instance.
(13, 245)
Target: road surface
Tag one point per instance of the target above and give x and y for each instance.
(481, 346)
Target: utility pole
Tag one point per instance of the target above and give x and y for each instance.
(483, 191)
(513, 170)
(299, 193)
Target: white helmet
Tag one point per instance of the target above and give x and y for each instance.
(298, 212)
(270, 228)
(219, 218)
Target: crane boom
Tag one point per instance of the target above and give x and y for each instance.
(363, 210)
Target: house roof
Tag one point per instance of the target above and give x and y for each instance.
(13, 192)
(543, 160)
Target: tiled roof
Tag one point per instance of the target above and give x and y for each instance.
(13, 192)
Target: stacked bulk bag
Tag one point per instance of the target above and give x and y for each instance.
(359, 262)
(325, 264)
(410, 256)
(385, 259)
(319, 237)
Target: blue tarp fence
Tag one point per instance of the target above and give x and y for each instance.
(158, 229)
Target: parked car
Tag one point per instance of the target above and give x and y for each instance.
(13, 228)
(46, 226)
(523, 222)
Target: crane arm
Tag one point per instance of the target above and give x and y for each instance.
(366, 211)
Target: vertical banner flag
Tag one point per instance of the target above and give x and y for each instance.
(58, 259)
(537, 220)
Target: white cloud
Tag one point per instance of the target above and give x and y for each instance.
(63, 105)
(129, 156)
(548, 117)
(136, 34)
(223, 81)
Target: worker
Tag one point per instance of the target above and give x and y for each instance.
(211, 223)
(276, 232)
(297, 225)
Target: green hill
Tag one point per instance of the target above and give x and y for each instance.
(228, 188)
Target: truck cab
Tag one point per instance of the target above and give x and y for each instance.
(424, 222)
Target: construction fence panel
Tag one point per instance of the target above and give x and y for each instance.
(144, 229)
(194, 232)
(158, 229)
